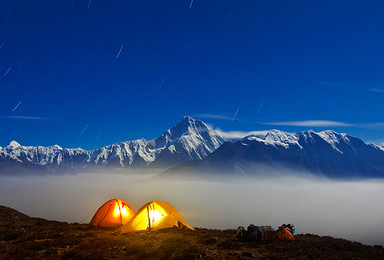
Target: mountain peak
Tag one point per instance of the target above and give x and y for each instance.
(13, 144)
(56, 146)
(331, 133)
(307, 132)
(187, 118)
(187, 125)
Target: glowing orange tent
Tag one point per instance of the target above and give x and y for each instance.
(285, 235)
(154, 215)
(112, 214)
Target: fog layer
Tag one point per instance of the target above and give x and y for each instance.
(348, 209)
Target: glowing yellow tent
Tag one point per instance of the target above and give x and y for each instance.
(154, 215)
(112, 214)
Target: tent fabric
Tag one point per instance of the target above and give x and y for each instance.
(154, 215)
(285, 235)
(112, 214)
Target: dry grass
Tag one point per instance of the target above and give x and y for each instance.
(22, 237)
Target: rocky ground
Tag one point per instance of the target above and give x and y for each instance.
(23, 237)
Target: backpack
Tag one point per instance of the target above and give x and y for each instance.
(289, 227)
(254, 233)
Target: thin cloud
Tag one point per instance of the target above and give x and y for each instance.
(27, 117)
(376, 90)
(333, 84)
(324, 123)
(311, 123)
(304, 123)
(380, 124)
(346, 85)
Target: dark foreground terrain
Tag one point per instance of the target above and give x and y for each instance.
(23, 237)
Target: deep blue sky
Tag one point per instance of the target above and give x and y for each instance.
(87, 73)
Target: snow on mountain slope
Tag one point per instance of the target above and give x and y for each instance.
(379, 146)
(122, 153)
(37, 155)
(283, 139)
(189, 139)
(327, 152)
(276, 138)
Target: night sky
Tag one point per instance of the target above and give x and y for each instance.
(88, 73)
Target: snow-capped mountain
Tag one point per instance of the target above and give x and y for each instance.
(189, 139)
(191, 145)
(52, 155)
(327, 153)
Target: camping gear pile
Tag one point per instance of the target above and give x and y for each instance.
(152, 216)
(286, 232)
(265, 233)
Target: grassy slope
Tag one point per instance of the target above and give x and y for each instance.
(24, 237)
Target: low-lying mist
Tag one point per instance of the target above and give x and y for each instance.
(348, 209)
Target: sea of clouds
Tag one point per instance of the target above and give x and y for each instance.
(345, 209)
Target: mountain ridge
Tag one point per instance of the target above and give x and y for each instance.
(326, 153)
(191, 144)
(189, 139)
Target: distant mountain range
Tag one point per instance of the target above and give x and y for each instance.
(325, 153)
(188, 140)
(191, 146)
